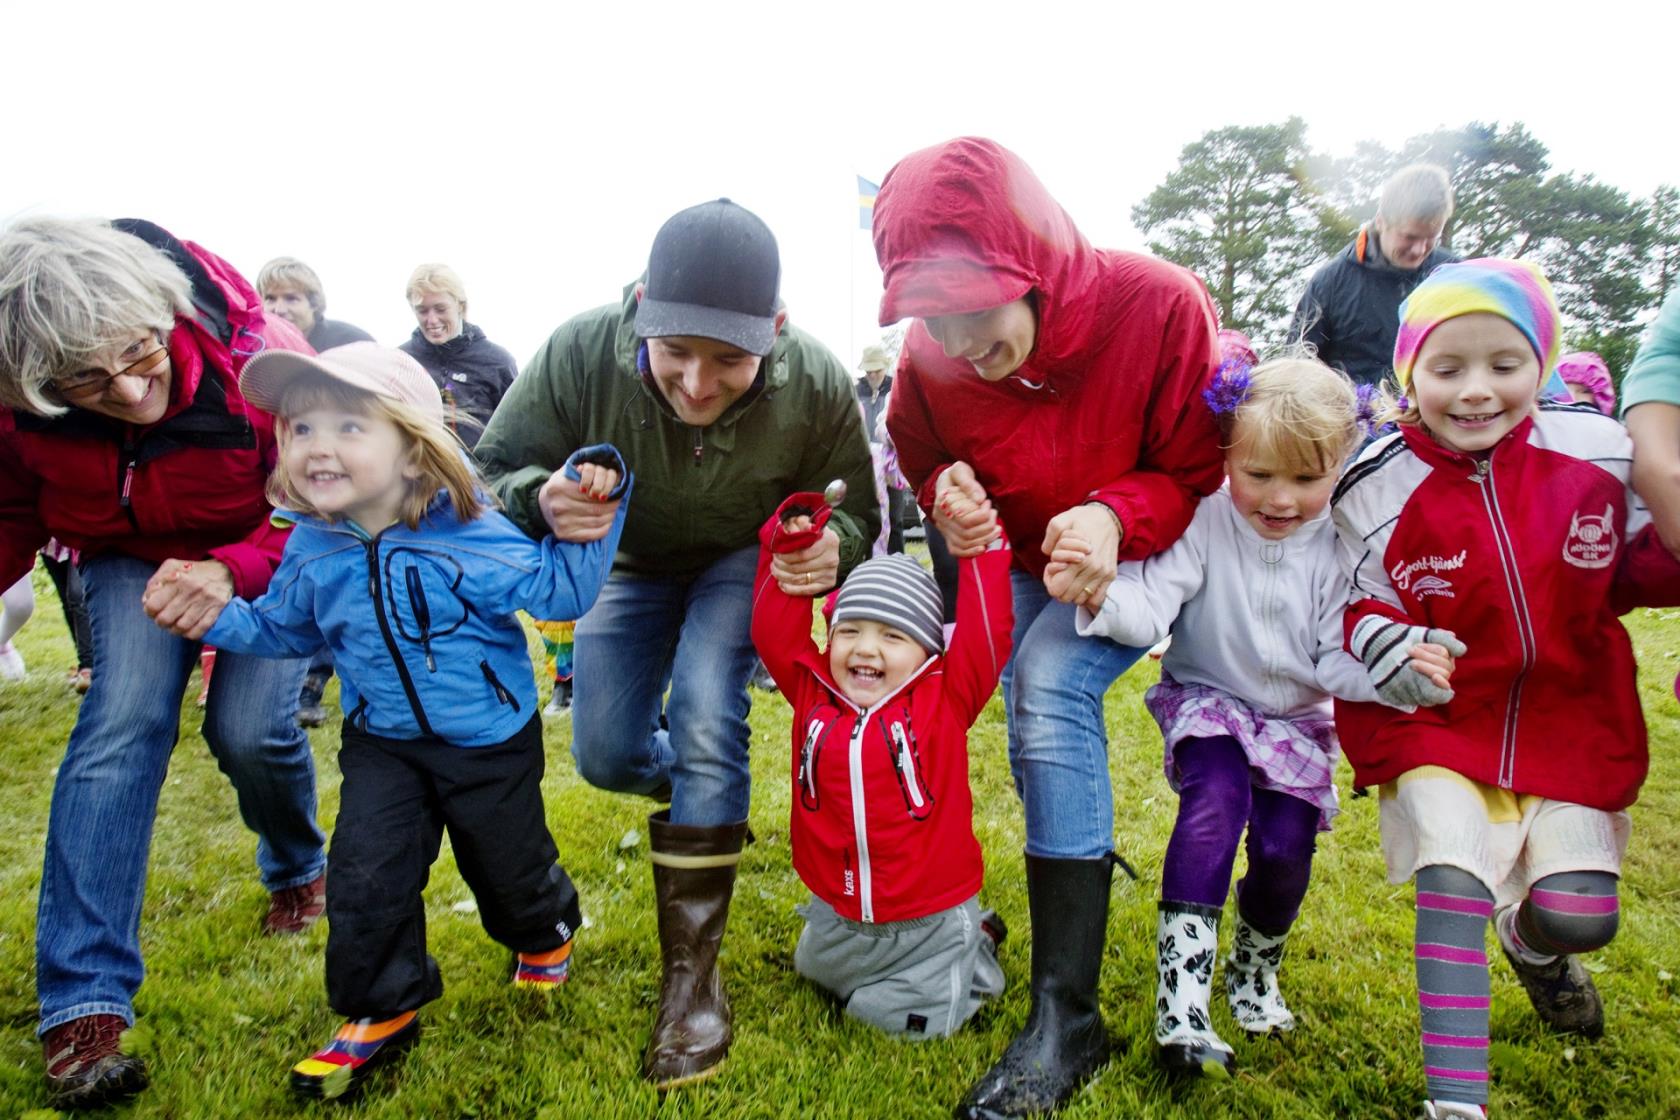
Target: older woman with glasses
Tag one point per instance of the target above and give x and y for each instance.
(124, 435)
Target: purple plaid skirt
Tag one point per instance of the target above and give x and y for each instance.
(1293, 756)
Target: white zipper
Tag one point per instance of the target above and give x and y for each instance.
(907, 765)
(1525, 625)
(866, 901)
(807, 771)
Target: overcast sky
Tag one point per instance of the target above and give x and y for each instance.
(538, 147)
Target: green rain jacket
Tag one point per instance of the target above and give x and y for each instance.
(700, 492)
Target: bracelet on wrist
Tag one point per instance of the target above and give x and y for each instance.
(1119, 528)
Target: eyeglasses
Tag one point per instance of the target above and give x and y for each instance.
(96, 382)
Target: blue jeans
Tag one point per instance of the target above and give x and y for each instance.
(1054, 683)
(87, 929)
(693, 636)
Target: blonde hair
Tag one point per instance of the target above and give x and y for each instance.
(432, 452)
(289, 272)
(437, 278)
(1419, 193)
(70, 290)
(1298, 412)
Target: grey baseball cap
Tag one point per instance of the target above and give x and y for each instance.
(714, 272)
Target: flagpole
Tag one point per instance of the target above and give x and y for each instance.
(851, 308)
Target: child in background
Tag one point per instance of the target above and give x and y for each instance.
(17, 604)
(1254, 596)
(882, 820)
(1509, 524)
(397, 565)
(557, 645)
(1587, 378)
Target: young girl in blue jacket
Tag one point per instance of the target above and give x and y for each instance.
(397, 565)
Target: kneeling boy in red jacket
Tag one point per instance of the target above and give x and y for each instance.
(882, 818)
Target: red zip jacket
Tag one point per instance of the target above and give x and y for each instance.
(883, 821)
(187, 487)
(1528, 556)
(1107, 406)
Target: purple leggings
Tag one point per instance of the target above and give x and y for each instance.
(1216, 800)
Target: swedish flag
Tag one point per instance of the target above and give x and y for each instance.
(866, 201)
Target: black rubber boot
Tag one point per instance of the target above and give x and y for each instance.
(1063, 1042)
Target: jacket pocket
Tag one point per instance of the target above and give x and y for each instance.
(907, 766)
(503, 696)
(422, 612)
(819, 726)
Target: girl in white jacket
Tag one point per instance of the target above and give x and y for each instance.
(1253, 595)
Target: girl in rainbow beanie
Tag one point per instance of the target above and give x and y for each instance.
(1503, 525)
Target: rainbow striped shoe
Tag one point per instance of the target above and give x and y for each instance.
(543, 971)
(359, 1045)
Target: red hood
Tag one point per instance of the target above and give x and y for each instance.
(965, 226)
(193, 340)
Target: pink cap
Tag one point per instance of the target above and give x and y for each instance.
(367, 366)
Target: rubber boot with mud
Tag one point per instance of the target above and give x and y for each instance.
(1064, 1041)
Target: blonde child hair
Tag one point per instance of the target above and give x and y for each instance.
(1295, 411)
(436, 459)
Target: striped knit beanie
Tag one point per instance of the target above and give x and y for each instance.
(899, 592)
(1516, 291)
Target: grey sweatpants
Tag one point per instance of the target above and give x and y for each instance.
(921, 978)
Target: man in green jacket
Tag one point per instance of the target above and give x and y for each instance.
(722, 409)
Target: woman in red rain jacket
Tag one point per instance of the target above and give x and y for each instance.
(1066, 382)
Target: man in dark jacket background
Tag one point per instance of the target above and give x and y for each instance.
(1350, 311)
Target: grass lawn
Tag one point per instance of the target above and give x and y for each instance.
(224, 1012)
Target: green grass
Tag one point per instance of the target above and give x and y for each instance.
(224, 1013)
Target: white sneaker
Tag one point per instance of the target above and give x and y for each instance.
(11, 663)
(1452, 1110)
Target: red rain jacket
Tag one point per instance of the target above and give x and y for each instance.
(882, 819)
(1107, 406)
(187, 487)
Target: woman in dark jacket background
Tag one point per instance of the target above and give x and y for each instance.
(471, 372)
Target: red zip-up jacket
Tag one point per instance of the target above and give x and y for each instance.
(1107, 406)
(187, 487)
(883, 820)
(1528, 556)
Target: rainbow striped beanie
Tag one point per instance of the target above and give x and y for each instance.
(1516, 291)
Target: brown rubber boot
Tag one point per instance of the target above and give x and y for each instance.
(693, 878)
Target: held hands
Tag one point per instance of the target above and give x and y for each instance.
(580, 510)
(811, 571)
(1083, 544)
(596, 481)
(1411, 666)
(962, 513)
(186, 596)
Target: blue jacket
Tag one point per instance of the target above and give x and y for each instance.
(421, 623)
